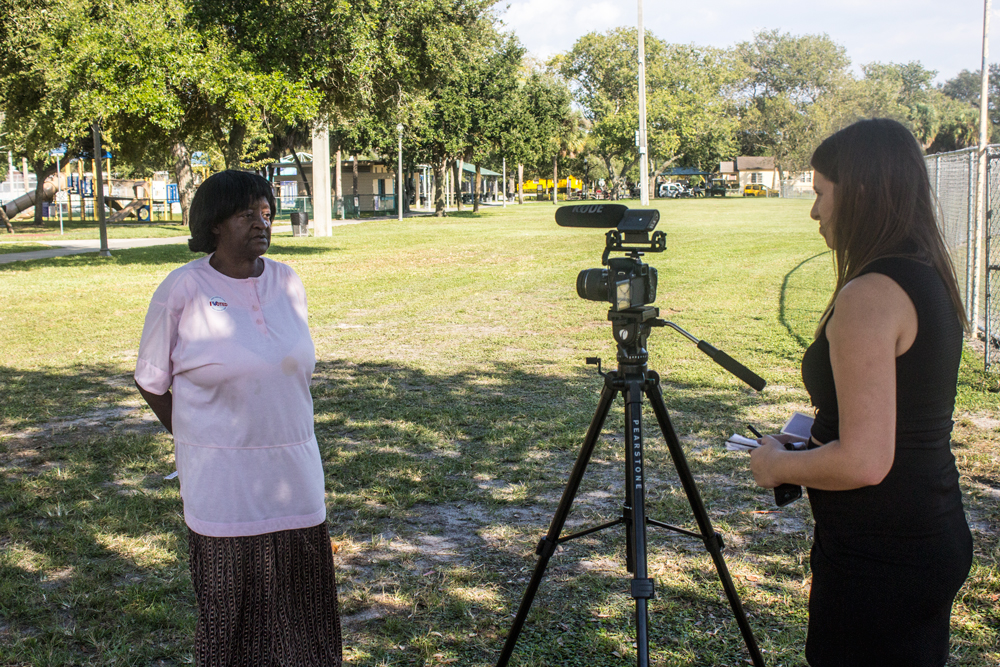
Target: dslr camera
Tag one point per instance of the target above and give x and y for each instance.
(627, 283)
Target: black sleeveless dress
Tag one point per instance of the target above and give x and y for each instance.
(887, 560)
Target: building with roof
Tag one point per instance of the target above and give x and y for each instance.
(746, 170)
(376, 183)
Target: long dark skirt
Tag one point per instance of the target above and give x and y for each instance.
(266, 600)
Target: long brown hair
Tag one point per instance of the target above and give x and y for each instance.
(883, 205)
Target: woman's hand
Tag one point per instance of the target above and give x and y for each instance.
(764, 459)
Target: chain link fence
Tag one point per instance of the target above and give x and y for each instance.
(991, 263)
(954, 177)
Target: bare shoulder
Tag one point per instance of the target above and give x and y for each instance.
(872, 290)
(874, 306)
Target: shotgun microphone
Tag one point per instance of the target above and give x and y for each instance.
(602, 216)
(605, 216)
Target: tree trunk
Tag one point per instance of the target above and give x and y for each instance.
(555, 179)
(302, 173)
(234, 146)
(457, 170)
(41, 173)
(612, 181)
(354, 173)
(520, 184)
(477, 186)
(185, 178)
(5, 220)
(439, 168)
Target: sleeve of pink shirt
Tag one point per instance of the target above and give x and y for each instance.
(153, 371)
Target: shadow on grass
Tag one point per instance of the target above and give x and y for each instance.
(439, 485)
(38, 395)
(443, 468)
(93, 569)
(789, 315)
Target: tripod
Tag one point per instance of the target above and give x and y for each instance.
(633, 380)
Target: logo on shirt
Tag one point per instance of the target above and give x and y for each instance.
(218, 303)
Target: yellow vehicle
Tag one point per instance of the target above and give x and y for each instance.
(756, 190)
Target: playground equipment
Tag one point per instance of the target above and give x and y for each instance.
(122, 206)
(137, 205)
(27, 200)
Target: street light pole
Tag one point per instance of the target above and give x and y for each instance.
(59, 192)
(99, 189)
(399, 176)
(643, 158)
(505, 182)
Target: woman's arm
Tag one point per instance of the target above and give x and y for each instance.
(874, 322)
(162, 406)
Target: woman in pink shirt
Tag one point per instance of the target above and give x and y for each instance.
(225, 362)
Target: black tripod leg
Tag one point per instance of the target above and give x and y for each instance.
(547, 545)
(635, 484)
(713, 541)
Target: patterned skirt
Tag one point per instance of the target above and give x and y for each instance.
(266, 600)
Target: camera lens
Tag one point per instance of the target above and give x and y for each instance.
(592, 284)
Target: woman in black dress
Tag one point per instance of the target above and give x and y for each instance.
(891, 543)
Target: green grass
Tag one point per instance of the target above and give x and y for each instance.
(8, 247)
(451, 399)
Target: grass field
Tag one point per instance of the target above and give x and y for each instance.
(11, 247)
(451, 399)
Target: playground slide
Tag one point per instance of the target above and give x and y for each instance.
(27, 200)
(131, 208)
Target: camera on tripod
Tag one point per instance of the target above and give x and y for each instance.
(629, 286)
(628, 282)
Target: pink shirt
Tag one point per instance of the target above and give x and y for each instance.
(239, 357)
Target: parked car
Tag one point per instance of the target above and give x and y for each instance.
(756, 190)
(716, 189)
(669, 190)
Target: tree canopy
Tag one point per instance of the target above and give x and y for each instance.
(245, 83)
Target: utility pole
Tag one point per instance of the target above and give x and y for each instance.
(399, 176)
(981, 203)
(643, 158)
(99, 189)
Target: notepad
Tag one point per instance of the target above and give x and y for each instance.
(799, 426)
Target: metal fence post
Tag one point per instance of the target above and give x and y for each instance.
(970, 232)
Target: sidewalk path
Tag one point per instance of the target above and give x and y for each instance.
(62, 248)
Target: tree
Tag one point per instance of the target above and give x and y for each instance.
(373, 63)
(552, 127)
(690, 115)
(153, 80)
(787, 92)
(965, 88)
(42, 109)
(905, 92)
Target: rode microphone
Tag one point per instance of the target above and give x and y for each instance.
(603, 216)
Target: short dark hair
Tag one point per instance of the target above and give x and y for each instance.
(221, 196)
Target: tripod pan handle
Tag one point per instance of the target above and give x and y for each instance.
(733, 366)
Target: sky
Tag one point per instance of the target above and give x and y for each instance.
(944, 35)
